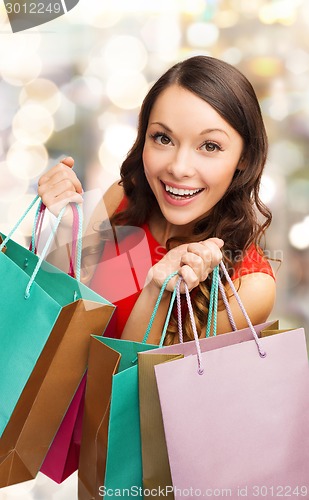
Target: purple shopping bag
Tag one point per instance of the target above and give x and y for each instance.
(237, 422)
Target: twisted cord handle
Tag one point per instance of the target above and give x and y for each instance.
(4, 242)
(155, 310)
(262, 353)
(191, 314)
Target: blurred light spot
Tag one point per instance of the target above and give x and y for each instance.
(19, 43)
(12, 188)
(299, 234)
(280, 11)
(202, 34)
(232, 55)
(65, 115)
(94, 13)
(41, 91)
(163, 36)
(27, 162)
(16, 210)
(298, 61)
(32, 124)
(20, 71)
(286, 157)
(226, 18)
(267, 189)
(118, 139)
(123, 53)
(127, 90)
(8, 99)
(192, 7)
(85, 91)
(109, 161)
(19, 61)
(267, 67)
(298, 195)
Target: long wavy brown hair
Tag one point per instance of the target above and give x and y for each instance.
(239, 218)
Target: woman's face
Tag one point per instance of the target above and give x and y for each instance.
(190, 155)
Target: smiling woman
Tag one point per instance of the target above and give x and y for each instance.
(191, 183)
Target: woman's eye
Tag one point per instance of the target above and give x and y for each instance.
(161, 139)
(211, 147)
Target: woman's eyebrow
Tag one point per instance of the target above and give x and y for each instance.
(205, 131)
(209, 130)
(161, 125)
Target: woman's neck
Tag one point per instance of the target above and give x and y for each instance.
(162, 230)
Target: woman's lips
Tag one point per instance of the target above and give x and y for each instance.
(180, 195)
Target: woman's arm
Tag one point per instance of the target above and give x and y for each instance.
(193, 261)
(257, 292)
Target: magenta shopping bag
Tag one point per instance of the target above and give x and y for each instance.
(236, 421)
(63, 455)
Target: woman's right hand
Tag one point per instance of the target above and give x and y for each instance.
(193, 261)
(60, 186)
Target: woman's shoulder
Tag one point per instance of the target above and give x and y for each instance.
(114, 198)
(252, 260)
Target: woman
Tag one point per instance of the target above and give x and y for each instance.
(191, 182)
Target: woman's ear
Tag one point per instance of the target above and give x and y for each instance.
(241, 164)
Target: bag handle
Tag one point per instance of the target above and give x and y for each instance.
(154, 312)
(213, 307)
(36, 233)
(261, 351)
(37, 227)
(48, 243)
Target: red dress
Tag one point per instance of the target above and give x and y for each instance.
(126, 260)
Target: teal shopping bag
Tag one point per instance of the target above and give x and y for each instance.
(33, 294)
(110, 457)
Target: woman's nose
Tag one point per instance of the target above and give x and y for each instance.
(181, 165)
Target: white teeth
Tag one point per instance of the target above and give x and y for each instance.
(180, 192)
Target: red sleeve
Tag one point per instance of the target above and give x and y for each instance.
(253, 262)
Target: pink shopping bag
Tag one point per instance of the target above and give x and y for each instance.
(237, 423)
(63, 455)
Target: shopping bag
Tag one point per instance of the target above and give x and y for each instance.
(46, 321)
(110, 457)
(63, 454)
(156, 470)
(155, 464)
(242, 413)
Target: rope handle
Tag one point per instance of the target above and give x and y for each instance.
(155, 310)
(212, 310)
(37, 227)
(191, 314)
(213, 303)
(4, 242)
(48, 243)
(213, 307)
(75, 257)
(261, 351)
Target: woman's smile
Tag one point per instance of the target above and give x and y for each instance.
(181, 194)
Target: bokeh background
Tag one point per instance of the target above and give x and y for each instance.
(74, 86)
